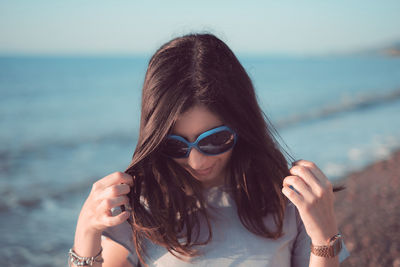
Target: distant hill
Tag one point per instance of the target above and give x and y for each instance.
(392, 50)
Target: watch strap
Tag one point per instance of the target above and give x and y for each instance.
(331, 250)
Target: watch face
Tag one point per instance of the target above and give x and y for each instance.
(337, 246)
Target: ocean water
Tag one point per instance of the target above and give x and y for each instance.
(66, 122)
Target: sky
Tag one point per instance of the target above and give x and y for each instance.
(140, 27)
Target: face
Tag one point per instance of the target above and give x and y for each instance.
(209, 170)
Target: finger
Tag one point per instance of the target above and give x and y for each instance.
(115, 190)
(298, 185)
(115, 220)
(110, 203)
(295, 198)
(115, 178)
(311, 166)
(323, 180)
(307, 176)
(319, 184)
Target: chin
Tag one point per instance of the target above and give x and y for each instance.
(213, 179)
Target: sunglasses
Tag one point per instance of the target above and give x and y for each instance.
(212, 142)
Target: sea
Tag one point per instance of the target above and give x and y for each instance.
(67, 121)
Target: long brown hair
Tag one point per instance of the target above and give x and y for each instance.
(166, 200)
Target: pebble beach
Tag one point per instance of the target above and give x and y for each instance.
(368, 213)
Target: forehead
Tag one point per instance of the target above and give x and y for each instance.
(195, 121)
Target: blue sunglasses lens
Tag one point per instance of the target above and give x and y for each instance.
(175, 148)
(217, 143)
(213, 144)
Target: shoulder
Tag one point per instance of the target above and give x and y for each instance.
(122, 234)
(120, 238)
(114, 254)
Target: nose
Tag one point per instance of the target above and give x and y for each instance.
(196, 159)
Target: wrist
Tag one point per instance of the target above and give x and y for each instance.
(84, 227)
(87, 240)
(74, 258)
(321, 239)
(87, 233)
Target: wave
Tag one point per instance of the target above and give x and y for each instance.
(10, 154)
(40, 147)
(357, 103)
(11, 199)
(34, 196)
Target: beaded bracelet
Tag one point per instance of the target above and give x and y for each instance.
(83, 261)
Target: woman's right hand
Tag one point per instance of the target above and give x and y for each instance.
(107, 193)
(95, 216)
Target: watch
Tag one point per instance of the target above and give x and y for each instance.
(331, 250)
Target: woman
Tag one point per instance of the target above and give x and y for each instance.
(208, 184)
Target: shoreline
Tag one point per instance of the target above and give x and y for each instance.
(368, 213)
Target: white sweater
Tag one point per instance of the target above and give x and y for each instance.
(232, 244)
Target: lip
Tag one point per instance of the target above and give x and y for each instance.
(202, 172)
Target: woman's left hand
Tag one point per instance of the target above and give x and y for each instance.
(313, 196)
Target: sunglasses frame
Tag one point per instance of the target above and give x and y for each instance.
(201, 137)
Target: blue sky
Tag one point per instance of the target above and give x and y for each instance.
(134, 27)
